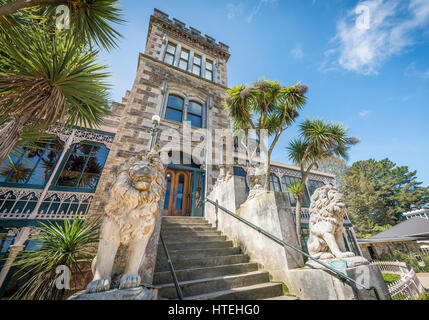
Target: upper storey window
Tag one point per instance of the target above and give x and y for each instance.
(196, 68)
(174, 109)
(209, 70)
(195, 114)
(169, 53)
(184, 59)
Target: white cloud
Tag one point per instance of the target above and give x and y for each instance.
(363, 113)
(234, 10)
(297, 52)
(413, 71)
(258, 7)
(392, 24)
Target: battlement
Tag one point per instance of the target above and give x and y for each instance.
(190, 31)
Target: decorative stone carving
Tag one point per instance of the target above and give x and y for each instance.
(255, 180)
(327, 212)
(130, 217)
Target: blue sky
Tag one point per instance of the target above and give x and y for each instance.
(365, 62)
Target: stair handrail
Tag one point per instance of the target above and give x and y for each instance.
(340, 275)
(173, 273)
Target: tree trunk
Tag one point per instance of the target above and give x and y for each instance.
(298, 218)
(9, 137)
(268, 174)
(11, 7)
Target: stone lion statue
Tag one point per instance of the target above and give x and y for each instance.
(130, 217)
(327, 212)
(255, 180)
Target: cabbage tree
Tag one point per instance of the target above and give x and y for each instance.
(317, 141)
(266, 106)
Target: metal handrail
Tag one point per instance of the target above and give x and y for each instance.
(173, 273)
(341, 276)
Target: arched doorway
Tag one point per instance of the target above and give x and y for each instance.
(184, 189)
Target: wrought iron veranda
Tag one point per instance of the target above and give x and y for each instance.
(18, 203)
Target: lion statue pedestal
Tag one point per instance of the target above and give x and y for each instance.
(130, 218)
(326, 244)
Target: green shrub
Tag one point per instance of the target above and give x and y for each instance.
(411, 260)
(424, 296)
(389, 278)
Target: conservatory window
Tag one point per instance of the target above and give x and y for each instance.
(83, 167)
(31, 167)
(275, 183)
(287, 182)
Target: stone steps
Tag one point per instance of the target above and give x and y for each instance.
(206, 272)
(198, 253)
(208, 266)
(183, 264)
(197, 245)
(255, 292)
(210, 285)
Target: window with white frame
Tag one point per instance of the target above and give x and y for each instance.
(184, 59)
(169, 53)
(196, 65)
(209, 70)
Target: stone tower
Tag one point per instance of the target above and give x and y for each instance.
(182, 78)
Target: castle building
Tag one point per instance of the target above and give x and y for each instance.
(182, 78)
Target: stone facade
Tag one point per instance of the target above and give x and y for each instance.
(154, 81)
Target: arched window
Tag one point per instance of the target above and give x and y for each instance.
(195, 114)
(174, 109)
(275, 183)
(83, 167)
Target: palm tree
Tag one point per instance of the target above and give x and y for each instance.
(90, 20)
(68, 245)
(48, 78)
(318, 140)
(43, 70)
(265, 106)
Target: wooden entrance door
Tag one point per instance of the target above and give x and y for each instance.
(178, 193)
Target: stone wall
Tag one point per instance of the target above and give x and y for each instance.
(267, 211)
(387, 249)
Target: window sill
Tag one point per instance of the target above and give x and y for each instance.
(167, 121)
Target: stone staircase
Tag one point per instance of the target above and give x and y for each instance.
(208, 266)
